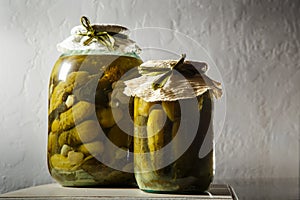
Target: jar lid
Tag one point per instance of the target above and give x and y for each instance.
(171, 80)
(103, 37)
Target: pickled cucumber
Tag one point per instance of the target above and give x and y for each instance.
(75, 115)
(108, 117)
(66, 87)
(144, 107)
(93, 148)
(172, 109)
(82, 133)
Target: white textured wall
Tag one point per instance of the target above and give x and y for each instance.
(255, 44)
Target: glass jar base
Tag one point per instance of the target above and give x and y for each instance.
(80, 178)
(182, 186)
(199, 191)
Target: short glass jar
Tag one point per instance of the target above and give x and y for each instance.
(172, 126)
(84, 139)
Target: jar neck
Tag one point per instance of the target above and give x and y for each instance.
(100, 52)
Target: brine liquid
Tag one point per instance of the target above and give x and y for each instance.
(156, 127)
(85, 106)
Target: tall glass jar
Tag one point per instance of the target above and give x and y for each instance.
(86, 147)
(173, 143)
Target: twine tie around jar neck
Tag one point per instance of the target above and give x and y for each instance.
(102, 37)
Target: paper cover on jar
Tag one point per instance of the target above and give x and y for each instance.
(116, 35)
(186, 81)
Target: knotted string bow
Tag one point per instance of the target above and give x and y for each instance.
(102, 37)
(186, 69)
(167, 73)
